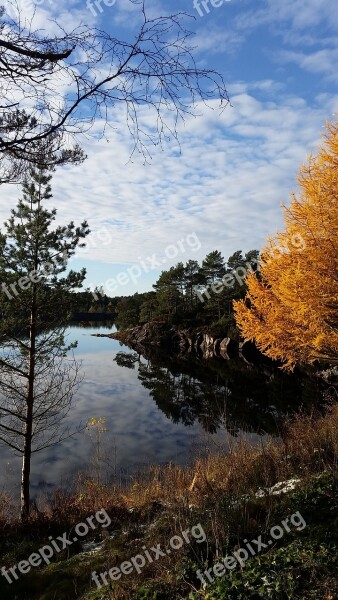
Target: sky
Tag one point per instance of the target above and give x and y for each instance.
(223, 186)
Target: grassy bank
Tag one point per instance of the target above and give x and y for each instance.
(228, 495)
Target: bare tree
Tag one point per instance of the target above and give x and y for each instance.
(154, 71)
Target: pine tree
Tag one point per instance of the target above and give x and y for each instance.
(193, 279)
(213, 267)
(37, 380)
(169, 292)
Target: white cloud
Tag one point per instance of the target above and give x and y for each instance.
(322, 62)
(297, 15)
(235, 168)
(227, 185)
(217, 40)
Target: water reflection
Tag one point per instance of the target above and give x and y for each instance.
(160, 408)
(219, 393)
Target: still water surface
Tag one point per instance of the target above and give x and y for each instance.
(159, 409)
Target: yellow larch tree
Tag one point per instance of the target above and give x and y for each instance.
(291, 309)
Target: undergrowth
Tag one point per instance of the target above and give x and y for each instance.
(219, 491)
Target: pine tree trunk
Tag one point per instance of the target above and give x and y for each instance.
(26, 459)
(26, 464)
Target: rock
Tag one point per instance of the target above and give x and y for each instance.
(183, 341)
(198, 341)
(208, 340)
(229, 347)
(282, 487)
(249, 352)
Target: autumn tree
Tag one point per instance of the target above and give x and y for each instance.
(291, 309)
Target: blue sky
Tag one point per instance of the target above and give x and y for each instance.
(224, 189)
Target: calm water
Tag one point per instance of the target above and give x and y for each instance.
(159, 409)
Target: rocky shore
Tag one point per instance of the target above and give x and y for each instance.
(185, 340)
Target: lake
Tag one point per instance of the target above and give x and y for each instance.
(159, 408)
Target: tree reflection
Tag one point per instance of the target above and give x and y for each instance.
(127, 359)
(218, 393)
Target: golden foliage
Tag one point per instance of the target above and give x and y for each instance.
(291, 309)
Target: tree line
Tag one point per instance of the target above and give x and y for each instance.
(192, 294)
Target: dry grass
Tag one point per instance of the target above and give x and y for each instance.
(6, 509)
(308, 446)
(164, 501)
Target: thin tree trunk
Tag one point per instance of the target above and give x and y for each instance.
(27, 453)
(26, 464)
(26, 459)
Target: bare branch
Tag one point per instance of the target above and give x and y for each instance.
(156, 72)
